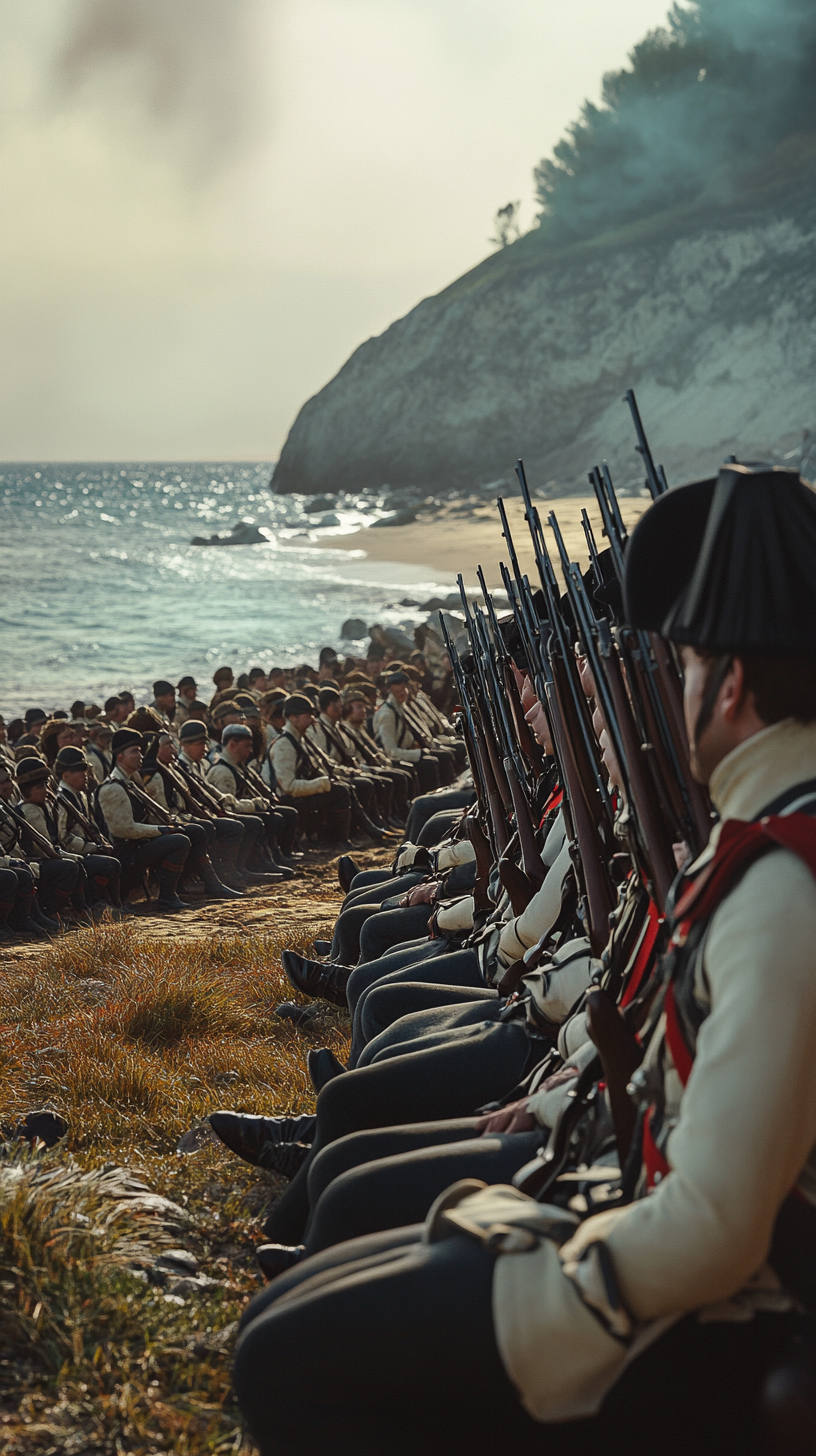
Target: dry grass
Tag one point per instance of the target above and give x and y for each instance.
(135, 1039)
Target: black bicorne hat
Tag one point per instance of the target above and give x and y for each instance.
(728, 565)
(297, 703)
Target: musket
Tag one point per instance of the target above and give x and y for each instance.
(587, 811)
(614, 703)
(134, 791)
(654, 686)
(489, 740)
(514, 771)
(92, 831)
(655, 484)
(521, 728)
(39, 840)
(495, 817)
(473, 825)
(199, 791)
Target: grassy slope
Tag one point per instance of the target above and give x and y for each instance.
(135, 1038)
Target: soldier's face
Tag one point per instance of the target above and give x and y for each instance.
(732, 720)
(302, 721)
(539, 722)
(130, 759)
(399, 692)
(37, 792)
(75, 780)
(196, 750)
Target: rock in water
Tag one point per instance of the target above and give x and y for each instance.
(709, 315)
(353, 628)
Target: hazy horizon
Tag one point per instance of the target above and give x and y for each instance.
(209, 206)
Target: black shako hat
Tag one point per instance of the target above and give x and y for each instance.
(125, 738)
(162, 688)
(728, 565)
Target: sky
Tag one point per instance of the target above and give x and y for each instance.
(209, 204)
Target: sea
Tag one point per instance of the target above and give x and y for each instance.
(102, 588)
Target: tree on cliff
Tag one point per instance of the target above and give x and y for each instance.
(506, 224)
(706, 99)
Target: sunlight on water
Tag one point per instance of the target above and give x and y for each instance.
(102, 588)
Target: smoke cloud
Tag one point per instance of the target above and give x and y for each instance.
(192, 69)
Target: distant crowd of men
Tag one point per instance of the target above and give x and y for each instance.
(182, 797)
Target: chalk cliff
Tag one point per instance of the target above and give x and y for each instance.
(709, 314)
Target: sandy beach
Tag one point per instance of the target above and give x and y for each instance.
(458, 541)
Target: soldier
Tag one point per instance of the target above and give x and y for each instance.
(323, 805)
(355, 715)
(223, 677)
(97, 749)
(372, 789)
(24, 912)
(76, 829)
(140, 834)
(55, 734)
(228, 773)
(169, 790)
(164, 704)
(192, 754)
(116, 711)
(256, 678)
(187, 690)
(35, 720)
(5, 749)
(657, 1319)
(396, 737)
(63, 891)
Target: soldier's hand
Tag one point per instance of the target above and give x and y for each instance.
(512, 1118)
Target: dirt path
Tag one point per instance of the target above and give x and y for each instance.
(312, 898)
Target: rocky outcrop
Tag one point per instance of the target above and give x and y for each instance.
(709, 317)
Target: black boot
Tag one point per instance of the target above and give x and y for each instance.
(363, 825)
(227, 865)
(323, 1066)
(213, 887)
(168, 899)
(31, 908)
(346, 870)
(273, 1259)
(5, 933)
(250, 1136)
(314, 979)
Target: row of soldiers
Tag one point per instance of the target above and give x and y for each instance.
(214, 798)
(561, 1196)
